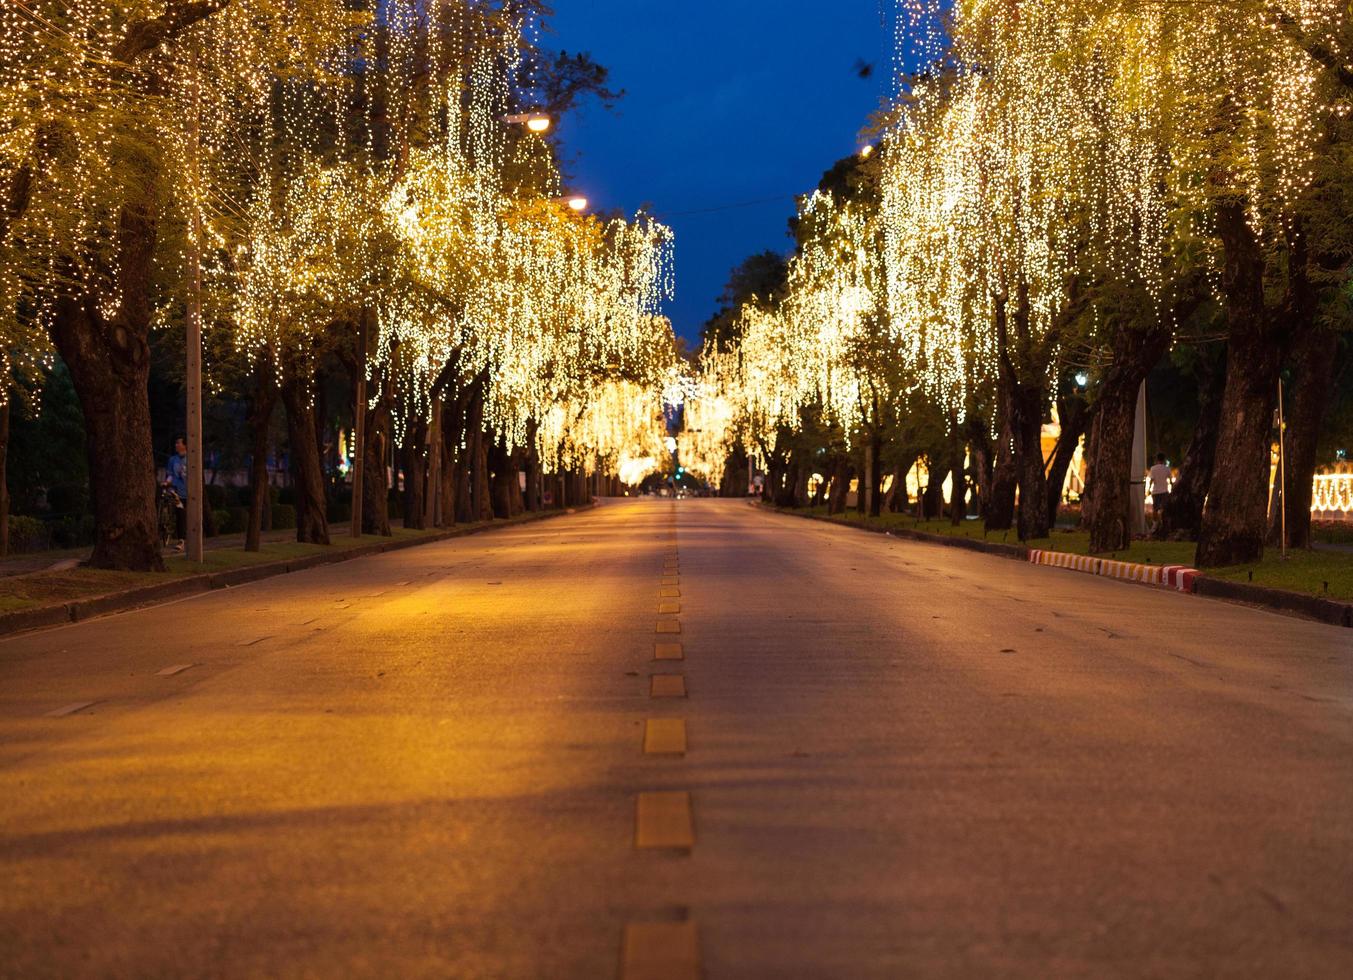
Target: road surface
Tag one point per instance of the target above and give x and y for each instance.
(901, 761)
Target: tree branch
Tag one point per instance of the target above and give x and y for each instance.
(147, 35)
(1318, 52)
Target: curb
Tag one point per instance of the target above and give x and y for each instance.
(1178, 577)
(79, 610)
(1175, 577)
(1328, 611)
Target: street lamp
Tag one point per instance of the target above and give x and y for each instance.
(866, 151)
(536, 122)
(577, 203)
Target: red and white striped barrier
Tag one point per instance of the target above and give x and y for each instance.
(1166, 576)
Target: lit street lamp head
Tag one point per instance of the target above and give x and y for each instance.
(536, 122)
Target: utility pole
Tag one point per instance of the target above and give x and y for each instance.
(359, 428)
(192, 546)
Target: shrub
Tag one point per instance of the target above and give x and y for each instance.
(283, 517)
(239, 519)
(340, 511)
(73, 531)
(286, 495)
(224, 520)
(216, 496)
(27, 534)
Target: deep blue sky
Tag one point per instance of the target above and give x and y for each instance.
(727, 101)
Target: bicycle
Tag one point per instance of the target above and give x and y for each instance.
(167, 505)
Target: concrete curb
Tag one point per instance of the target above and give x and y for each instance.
(1180, 578)
(1328, 611)
(79, 610)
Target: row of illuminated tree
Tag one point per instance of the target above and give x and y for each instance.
(311, 183)
(1070, 192)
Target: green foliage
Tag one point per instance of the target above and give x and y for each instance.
(283, 517)
(47, 451)
(27, 534)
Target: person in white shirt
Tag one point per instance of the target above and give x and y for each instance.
(1160, 485)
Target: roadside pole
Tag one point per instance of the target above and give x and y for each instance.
(192, 546)
(359, 429)
(1282, 468)
(1137, 488)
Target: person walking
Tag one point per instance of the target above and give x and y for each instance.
(1161, 478)
(177, 479)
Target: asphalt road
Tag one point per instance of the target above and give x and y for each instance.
(901, 761)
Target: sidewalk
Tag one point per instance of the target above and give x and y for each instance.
(59, 559)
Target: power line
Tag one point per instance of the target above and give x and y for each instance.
(733, 207)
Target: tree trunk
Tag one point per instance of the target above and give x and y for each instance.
(260, 418)
(1135, 353)
(840, 486)
(1000, 508)
(502, 476)
(417, 478)
(312, 523)
(1235, 517)
(481, 497)
(1184, 510)
(1033, 475)
(109, 363)
(1074, 415)
(932, 499)
(375, 479)
(1313, 368)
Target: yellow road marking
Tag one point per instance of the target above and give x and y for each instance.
(668, 651)
(663, 820)
(668, 626)
(665, 736)
(171, 671)
(660, 951)
(670, 592)
(669, 607)
(667, 686)
(670, 580)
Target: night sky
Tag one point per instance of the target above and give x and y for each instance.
(727, 102)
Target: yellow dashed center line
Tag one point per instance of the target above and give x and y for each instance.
(660, 951)
(665, 736)
(663, 821)
(668, 651)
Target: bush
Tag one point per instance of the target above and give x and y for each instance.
(283, 517)
(224, 520)
(74, 531)
(339, 511)
(239, 519)
(216, 497)
(27, 534)
(286, 495)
